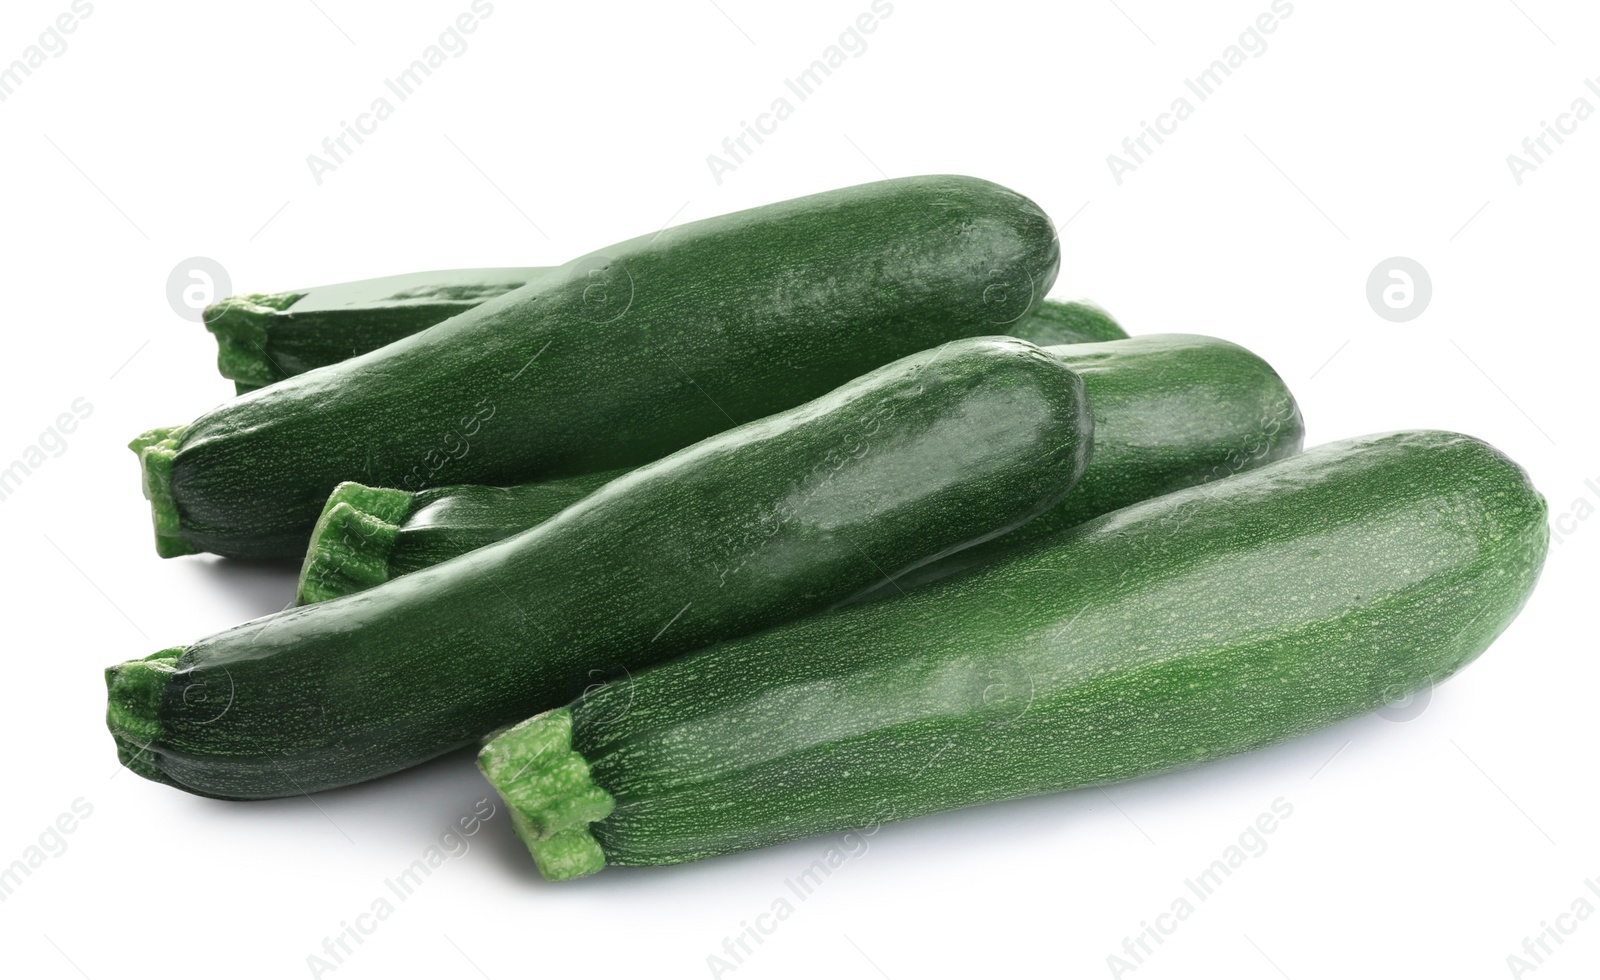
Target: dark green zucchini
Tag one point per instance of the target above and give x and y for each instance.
(1076, 322)
(266, 337)
(1171, 411)
(614, 360)
(368, 535)
(776, 519)
(1186, 628)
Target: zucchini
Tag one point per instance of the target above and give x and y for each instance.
(759, 524)
(1077, 322)
(1186, 628)
(266, 337)
(616, 359)
(1171, 411)
(368, 535)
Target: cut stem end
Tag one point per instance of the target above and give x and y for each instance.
(240, 324)
(133, 700)
(351, 542)
(156, 450)
(551, 794)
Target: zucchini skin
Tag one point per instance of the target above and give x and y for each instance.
(368, 535)
(776, 519)
(266, 337)
(263, 338)
(451, 521)
(1076, 322)
(619, 358)
(1186, 628)
(1171, 411)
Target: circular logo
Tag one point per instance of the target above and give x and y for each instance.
(609, 696)
(207, 697)
(1007, 296)
(194, 284)
(1002, 692)
(605, 288)
(1399, 289)
(1398, 706)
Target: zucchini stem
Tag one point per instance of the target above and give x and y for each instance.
(569, 854)
(351, 542)
(133, 694)
(133, 698)
(156, 450)
(240, 325)
(551, 795)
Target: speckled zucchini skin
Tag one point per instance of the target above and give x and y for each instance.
(1075, 322)
(266, 337)
(1171, 411)
(773, 520)
(451, 521)
(616, 359)
(368, 535)
(1193, 626)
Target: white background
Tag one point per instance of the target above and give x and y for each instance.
(1427, 847)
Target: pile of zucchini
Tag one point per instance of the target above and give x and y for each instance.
(787, 522)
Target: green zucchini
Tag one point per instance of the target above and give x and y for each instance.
(1171, 410)
(266, 337)
(1186, 628)
(776, 519)
(616, 359)
(368, 535)
(1077, 322)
